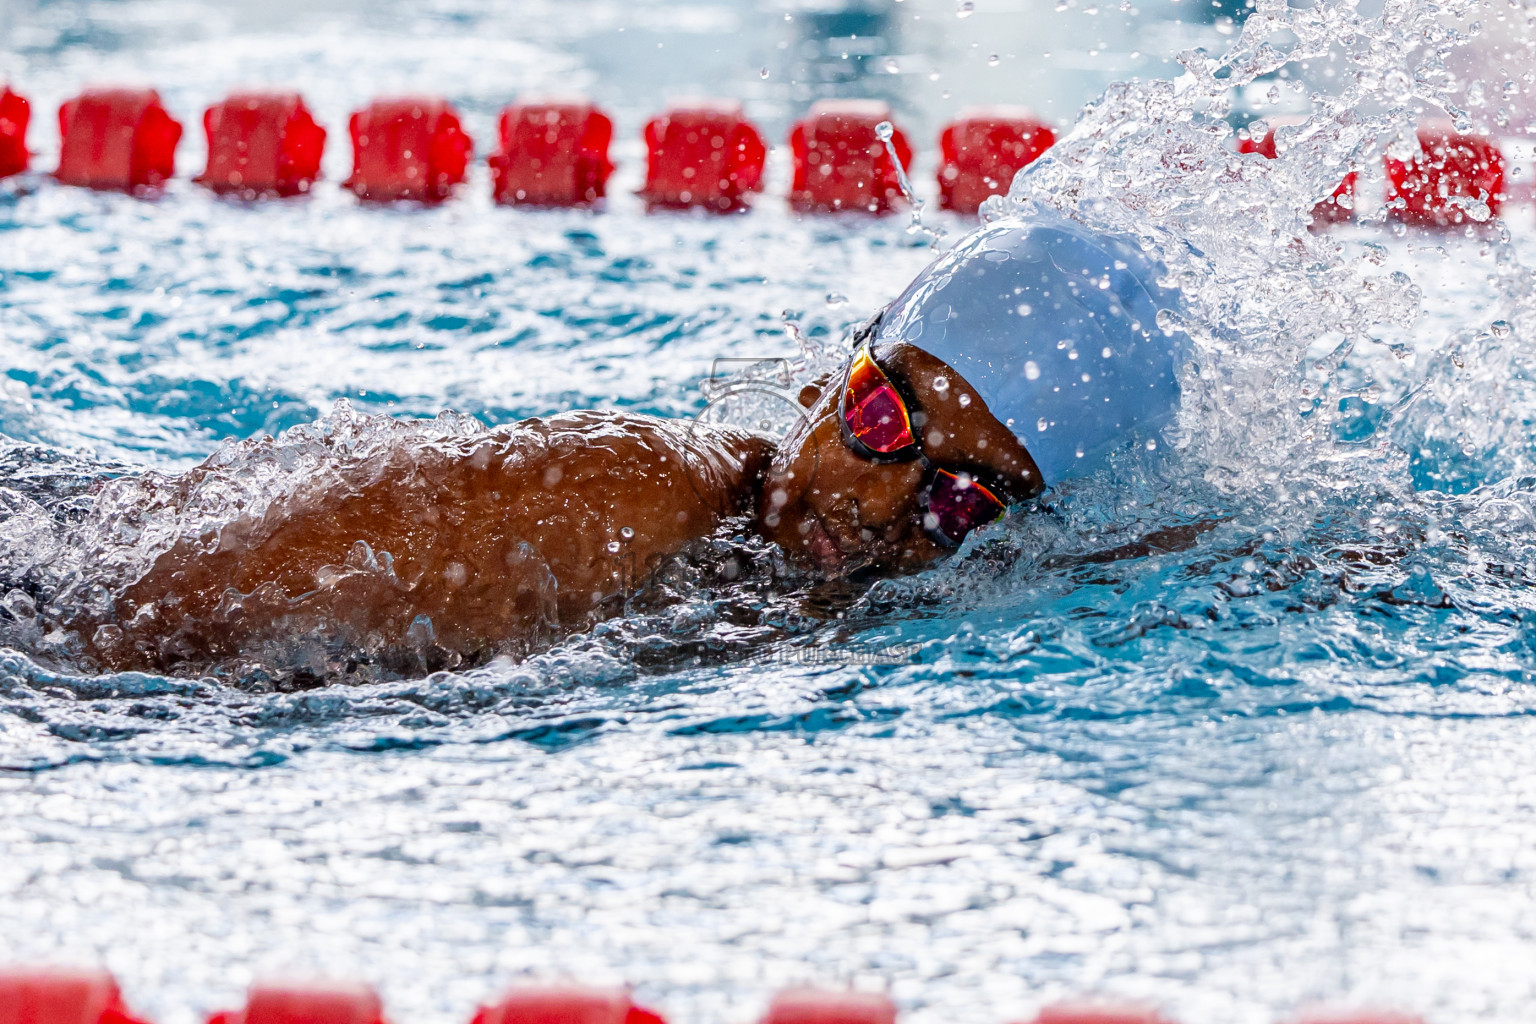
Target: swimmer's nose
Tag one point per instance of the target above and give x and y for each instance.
(887, 494)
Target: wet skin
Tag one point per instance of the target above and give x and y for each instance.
(485, 545)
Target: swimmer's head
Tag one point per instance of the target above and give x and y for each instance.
(1008, 365)
(896, 462)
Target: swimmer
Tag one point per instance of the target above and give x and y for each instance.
(1015, 361)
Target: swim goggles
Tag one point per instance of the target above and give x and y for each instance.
(877, 426)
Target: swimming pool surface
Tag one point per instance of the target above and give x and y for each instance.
(1295, 762)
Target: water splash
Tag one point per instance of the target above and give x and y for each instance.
(1295, 329)
(886, 133)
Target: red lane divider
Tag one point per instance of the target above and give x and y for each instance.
(565, 1004)
(118, 140)
(982, 149)
(553, 153)
(407, 148)
(262, 144)
(818, 1006)
(1330, 210)
(56, 996)
(1450, 166)
(50, 996)
(839, 162)
(306, 1003)
(702, 153)
(15, 112)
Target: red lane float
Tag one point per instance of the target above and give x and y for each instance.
(120, 140)
(1330, 210)
(15, 112)
(1099, 1013)
(839, 162)
(565, 1004)
(50, 996)
(306, 1003)
(410, 148)
(1450, 172)
(262, 144)
(981, 151)
(817, 1006)
(553, 153)
(702, 153)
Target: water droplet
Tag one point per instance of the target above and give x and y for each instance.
(1023, 309)
(965, 401)
(613, 547)
(994, 60)
(1041, 424)
(891, 67)
(1500, 328)
(884, 131)
(1151, 444)
(835, 299)
(965, 9)
(1032, 372)
(762, 72)
(627, 533)
(941, 384)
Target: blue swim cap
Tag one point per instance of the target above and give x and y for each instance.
(1055, 326)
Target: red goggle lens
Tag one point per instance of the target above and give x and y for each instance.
(958, 504)
(873, 410)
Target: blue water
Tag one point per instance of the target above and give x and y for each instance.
(1292, 762)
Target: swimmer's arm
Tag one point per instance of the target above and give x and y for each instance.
(1167, 540)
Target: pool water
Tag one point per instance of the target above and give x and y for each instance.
(1293, 761)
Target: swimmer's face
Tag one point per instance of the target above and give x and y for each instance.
(841, 509)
